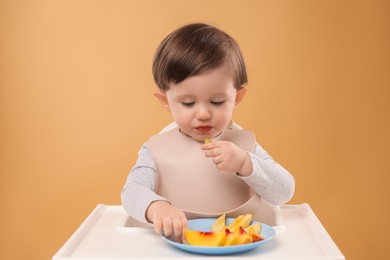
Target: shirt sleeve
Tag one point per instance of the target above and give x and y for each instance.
(139, 189)
(270, 180)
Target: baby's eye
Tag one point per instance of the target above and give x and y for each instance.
(188, 104)
(218, 103)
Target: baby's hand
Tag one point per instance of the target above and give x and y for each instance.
(167, 219)
(229, 157)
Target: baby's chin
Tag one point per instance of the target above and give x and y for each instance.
(202, 138)
(199, 138)
(196, 137)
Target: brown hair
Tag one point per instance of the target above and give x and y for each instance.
(194, 49)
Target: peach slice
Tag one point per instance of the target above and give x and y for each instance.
(240, 221)
(243, 237)
(237, 238)
(231, 238)
(219, 224)
(254, 227)
(199, 238)
(255, 236)
(235, 222)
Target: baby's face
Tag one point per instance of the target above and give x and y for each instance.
(202, 105)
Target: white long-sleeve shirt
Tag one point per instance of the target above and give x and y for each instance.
(269, 180)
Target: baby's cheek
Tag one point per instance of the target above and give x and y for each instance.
(223, 119)
(180, 117)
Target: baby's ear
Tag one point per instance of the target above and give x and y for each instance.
(240, 95)
(162, 98)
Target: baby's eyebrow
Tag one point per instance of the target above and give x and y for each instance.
(184, 96)
(190, 96)
(220, 95)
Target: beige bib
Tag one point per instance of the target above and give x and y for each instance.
(191, 181)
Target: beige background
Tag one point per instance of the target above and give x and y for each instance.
(76, 104)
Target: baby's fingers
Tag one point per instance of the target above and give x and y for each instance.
(178, 230)
(157, 224)
(167, 227)
(209, 146)
(213, 152)
(179, 226)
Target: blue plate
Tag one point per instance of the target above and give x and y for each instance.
(204, 224)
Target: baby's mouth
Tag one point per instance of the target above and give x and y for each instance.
(203, 128)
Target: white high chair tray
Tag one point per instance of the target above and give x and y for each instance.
(107, 233)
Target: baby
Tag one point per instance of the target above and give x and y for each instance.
(201, 76)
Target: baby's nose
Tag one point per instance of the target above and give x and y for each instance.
(203, 113)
